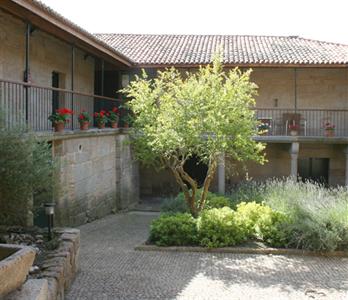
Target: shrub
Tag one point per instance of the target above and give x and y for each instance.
(175, 205)
(178, 204)
(174, 230)
(216, 201)
(26, 169)
(218, 228)
(311, 216)
(262, 222)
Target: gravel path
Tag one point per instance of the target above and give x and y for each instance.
(111, 269)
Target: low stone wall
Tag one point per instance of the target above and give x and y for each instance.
(98, 175)
(58, 271)
(61, 265)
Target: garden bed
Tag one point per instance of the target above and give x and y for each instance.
(276, 217)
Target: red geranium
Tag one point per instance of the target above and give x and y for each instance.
(61, 115)
(101, 117)
(113, 115)
(84, 117)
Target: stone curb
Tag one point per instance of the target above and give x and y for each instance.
(61, 265)
(242, 250)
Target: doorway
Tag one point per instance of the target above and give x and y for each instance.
(314, 169)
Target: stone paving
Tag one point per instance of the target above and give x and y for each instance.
(112, 269)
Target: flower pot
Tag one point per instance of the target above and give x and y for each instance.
(114, 124)
(59, 126)
(293, 132)
(329, 133)
(101, 125)
(125, 125)
(84, 125)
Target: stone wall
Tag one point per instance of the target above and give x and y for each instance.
(325, 88)
(278, 164)
(47, 54)
(98, 175)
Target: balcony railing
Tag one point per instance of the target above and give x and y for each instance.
(24, 103)
(308, 122)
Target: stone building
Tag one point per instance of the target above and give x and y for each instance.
(47, 62)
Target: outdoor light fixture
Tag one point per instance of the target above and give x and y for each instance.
(49, 211)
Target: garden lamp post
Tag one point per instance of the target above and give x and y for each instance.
(49, 211)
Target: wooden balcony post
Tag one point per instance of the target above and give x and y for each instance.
(294, 150)
(346, 171)
(221, 174)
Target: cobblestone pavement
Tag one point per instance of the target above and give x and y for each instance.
(111, 269)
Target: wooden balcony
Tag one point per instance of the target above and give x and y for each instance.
(302, 123)
(24, 103)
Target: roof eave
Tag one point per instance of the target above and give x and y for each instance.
(245, 65)
(38, 16)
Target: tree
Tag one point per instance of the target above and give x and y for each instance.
(204, 114)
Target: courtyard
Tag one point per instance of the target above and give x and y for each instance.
(112, 269)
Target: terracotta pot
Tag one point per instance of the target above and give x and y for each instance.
(59, 126)
(84, 125)
(114, 124)
(329, 133)
(293, 132)
(125, 125)
(101, 125)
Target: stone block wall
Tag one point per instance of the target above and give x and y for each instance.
(98, 175)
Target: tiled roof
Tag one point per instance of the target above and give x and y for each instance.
(148, 49)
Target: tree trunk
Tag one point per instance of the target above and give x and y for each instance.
(207, 182)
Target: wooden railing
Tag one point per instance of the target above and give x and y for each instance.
(308, 122)
(24, 103)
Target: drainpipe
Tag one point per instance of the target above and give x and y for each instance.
(27, 70)
(72, 82)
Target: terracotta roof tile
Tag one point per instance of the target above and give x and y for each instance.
(148, 49)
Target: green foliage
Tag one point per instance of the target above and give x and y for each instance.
(219, 228)
(178, 204)
(174, 230)
(26, 170)
(316, 217)
(262, 222)
(202, 114)
(217, 201)
(175, 204)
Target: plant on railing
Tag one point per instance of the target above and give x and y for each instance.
(113, 116)
(101, 118)
(329, 129)
(84, 120)
(59, 118)
(294, 128)
(263, 128)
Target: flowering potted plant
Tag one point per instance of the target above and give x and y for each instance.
(329, 129)
(263, 128)
(59, 118)
(101, 119)
(294, 128)
(113, 117)
(84, 119)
